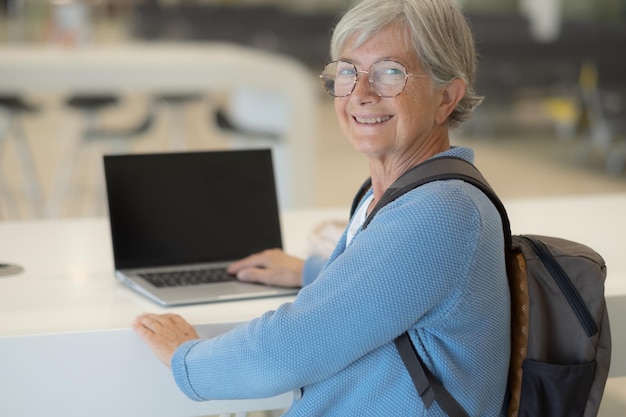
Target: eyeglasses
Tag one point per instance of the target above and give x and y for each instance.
(387, 78)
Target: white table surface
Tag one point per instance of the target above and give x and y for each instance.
(68, 268)
(65, 342)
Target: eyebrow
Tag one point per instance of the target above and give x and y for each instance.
(384, 58)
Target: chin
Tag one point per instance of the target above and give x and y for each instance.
(366, 146)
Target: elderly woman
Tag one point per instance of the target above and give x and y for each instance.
(430, 262)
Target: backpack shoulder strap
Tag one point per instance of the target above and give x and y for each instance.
(427, 385)
(434, 169)
(437, 169)
(367, 184)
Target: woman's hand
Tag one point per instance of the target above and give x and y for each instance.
(164, 333)
(271, 267)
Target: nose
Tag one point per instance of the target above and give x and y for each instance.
(364, 86)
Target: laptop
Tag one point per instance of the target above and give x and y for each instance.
(178, 219)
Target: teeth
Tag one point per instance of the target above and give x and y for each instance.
(372, 119)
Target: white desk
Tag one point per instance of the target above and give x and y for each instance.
(158, 68)
(65, 343)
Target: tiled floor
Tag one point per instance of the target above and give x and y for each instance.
(517, 166)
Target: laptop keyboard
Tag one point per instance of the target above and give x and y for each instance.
(187, 277)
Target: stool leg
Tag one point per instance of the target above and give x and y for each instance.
(65, 173)
(176, 112)
(10, 209)
(29, 172)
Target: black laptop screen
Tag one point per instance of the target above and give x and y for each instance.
(192, 207)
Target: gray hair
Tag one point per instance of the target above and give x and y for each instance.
(436, 29)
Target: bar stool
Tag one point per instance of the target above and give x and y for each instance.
(117, 140)
(14, 107)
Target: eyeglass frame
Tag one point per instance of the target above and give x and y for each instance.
(370, 81)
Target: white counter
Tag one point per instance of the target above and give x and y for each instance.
(65, 340)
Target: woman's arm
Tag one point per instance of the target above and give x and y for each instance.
(405, 267)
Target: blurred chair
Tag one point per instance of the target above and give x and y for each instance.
(114, 140)
(14, 107)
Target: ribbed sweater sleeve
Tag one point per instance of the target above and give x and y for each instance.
(312, 267)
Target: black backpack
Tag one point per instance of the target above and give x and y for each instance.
(561, 340)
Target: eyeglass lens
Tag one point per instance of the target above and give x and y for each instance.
(387, 78)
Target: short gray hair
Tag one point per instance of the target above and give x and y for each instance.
(438, 31)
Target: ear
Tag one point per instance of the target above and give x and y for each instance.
(451, 94)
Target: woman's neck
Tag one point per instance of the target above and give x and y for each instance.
(385, 171)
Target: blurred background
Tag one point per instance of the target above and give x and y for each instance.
(553, 121)
(552, 71)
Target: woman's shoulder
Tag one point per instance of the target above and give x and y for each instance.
(442, 196)
(442, 210)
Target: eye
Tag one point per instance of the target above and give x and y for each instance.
(391, 72)
(346, 71)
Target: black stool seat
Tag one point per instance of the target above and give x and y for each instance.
(178, 98)
(92, 102)
(17, 104)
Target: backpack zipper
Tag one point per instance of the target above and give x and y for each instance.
(565, 284)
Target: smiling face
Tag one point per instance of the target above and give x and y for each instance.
(399, 131)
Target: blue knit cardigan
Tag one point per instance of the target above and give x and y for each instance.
(432, 262)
